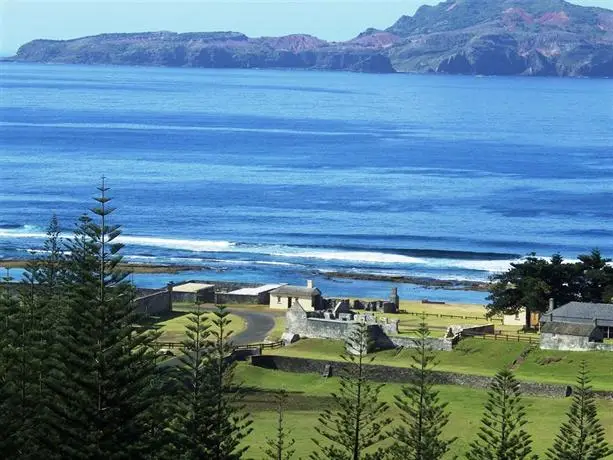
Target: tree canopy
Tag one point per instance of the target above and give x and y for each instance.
(533, 281)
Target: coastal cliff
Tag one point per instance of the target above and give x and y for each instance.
(208, 50)
(485, 37)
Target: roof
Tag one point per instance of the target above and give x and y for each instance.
(582, 312)
(580, 330)
(192, 287)
(256, 290)
(296, 291)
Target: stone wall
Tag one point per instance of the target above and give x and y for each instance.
(391, 374)
(470, 331)
(153, 304)
(434, 344)
(382, 332)
(224, 298)
(571, 343)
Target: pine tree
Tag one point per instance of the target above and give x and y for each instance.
(41, 313)
(581, 437)
(229, 422)
(281, 447)
(422, 415)
(11, 443)
(502, 436)
(106, 364)
(354, 427)
(192, 424)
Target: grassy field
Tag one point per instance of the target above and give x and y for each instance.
(480, 357)
(277, 331)
(309, 395)
(173, 325)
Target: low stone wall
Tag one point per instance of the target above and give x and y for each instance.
(470, 331)
(153, 304)
(391, 374)
(224, 298)
(434, 344)
(571, 343)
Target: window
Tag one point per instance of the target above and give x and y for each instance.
(278, 299)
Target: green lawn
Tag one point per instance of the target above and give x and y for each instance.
(173, 326)
(480, 357)
(277, 331)
(561, 367)
(309, 395)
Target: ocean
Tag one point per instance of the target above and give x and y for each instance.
(282, 176)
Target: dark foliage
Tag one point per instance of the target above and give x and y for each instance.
(581, 437)
(502, 435)
(356, 424)
(422, 414)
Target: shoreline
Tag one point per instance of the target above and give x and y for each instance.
(127, 266)
(422, 281)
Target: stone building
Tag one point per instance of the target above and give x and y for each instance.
(569, 336)
(600, 314)
(525, 318)
(259, 295)
(308, 297)
(193, 292)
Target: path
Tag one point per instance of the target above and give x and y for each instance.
(257, 325)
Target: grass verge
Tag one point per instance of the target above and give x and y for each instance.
(476, 356)
(309, 394)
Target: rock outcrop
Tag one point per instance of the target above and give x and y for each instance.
(487, 37)
(211, 50)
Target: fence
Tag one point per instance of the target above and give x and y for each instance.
(504, 337)
(249, 346)
(442, 315)
(260, 346)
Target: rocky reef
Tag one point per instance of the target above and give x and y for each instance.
(479, 37)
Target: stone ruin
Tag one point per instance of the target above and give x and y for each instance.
(391, 305)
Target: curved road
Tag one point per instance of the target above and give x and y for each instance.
(257, 325)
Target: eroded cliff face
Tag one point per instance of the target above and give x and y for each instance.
(486, 37)
(505, 37)
(214, 50)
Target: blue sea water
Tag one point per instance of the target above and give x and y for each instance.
(280, 176)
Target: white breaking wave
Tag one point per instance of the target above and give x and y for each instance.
(365, 258)
(190, 245)
(352, 256)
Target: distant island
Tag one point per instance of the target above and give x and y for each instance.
(474, 37)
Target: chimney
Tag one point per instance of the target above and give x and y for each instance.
(310, 284)
(552, 304)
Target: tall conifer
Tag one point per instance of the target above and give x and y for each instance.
(355, 425)
(281, 447)
(230, 423)
(422, 414)
(581, 437)
(502, 435)
(11, 442)
(103, 391)
(191, 427)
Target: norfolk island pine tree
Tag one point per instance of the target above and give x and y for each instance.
(356, 425)
(581, 437)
